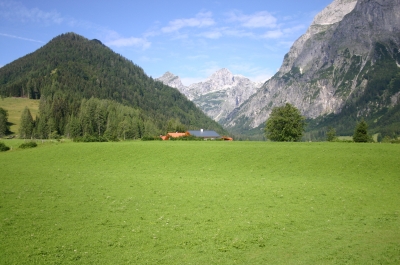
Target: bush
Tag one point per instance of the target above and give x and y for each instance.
(151, 138)
(3, 147)
(28, 145)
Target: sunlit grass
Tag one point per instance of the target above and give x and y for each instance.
(200, 203)
(15, 106)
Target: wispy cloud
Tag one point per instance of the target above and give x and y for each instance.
(203, 19)
(261, 19)
(254, 73)
(273, 34)
(132, 41)
(214, 34)
(20, 38)
(16, 11)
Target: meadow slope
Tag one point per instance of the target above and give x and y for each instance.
(200, 203)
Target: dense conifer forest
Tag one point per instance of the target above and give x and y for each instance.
(85, 88)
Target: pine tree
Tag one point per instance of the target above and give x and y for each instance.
(361, 133)
(331, 134)
(4, 129)
(26, 124)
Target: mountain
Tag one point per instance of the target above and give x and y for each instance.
(71, 68)
(218, 95)
(346, 66)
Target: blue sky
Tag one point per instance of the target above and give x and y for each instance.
(191, 39)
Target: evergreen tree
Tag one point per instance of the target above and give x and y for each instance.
(74, 128)
(4, 128)
(285, 124)
(361, 133)
(331, 134)
(26, 124)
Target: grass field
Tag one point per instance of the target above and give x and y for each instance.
(15, 106)
(200, 203)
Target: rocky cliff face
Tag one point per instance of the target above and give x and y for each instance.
(217, 96)
(328, 68)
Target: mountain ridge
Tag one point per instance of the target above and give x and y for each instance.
(218, 95)
(331, 67)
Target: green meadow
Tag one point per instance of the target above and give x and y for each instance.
(15, 106)
(200, 203)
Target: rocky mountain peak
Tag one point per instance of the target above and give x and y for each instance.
(327, 18)
(334, 69)
(172, 80)
(334, 12)
(222, 77)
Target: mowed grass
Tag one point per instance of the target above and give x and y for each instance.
(15, 106)
(200, 203)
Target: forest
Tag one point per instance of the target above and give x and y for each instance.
(82, 81)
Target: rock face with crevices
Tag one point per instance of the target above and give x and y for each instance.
(333, 66)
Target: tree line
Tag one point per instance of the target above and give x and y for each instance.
(94, 120)
(286, 124)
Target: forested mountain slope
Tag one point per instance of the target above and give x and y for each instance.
(71, 68)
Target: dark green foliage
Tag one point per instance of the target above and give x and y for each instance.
(90, 138)
(361, 133)
(71, 68)
(28, 145)
(331, 134)
(285, 124)
(149, 138)
(26, 125)
(4, 126)
(3, 147)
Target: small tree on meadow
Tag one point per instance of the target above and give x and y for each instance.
(331, 134)
(4, 128)
(285, 124)
(361, 133)
(26, 124)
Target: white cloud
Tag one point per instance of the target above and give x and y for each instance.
(273, 34)
(16, 11)
(20, 38)
(132, 41)
(261, 19)
(203, 19)
(239, 33)
(211, 34)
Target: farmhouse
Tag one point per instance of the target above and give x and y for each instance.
(206, 135)
(173, 135)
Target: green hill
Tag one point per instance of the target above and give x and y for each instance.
(71, 71)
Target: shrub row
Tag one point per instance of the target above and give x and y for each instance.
(28, 145)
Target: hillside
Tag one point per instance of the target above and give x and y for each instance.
(71, 68)
(345, 67)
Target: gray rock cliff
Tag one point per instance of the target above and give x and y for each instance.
(328, 66)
